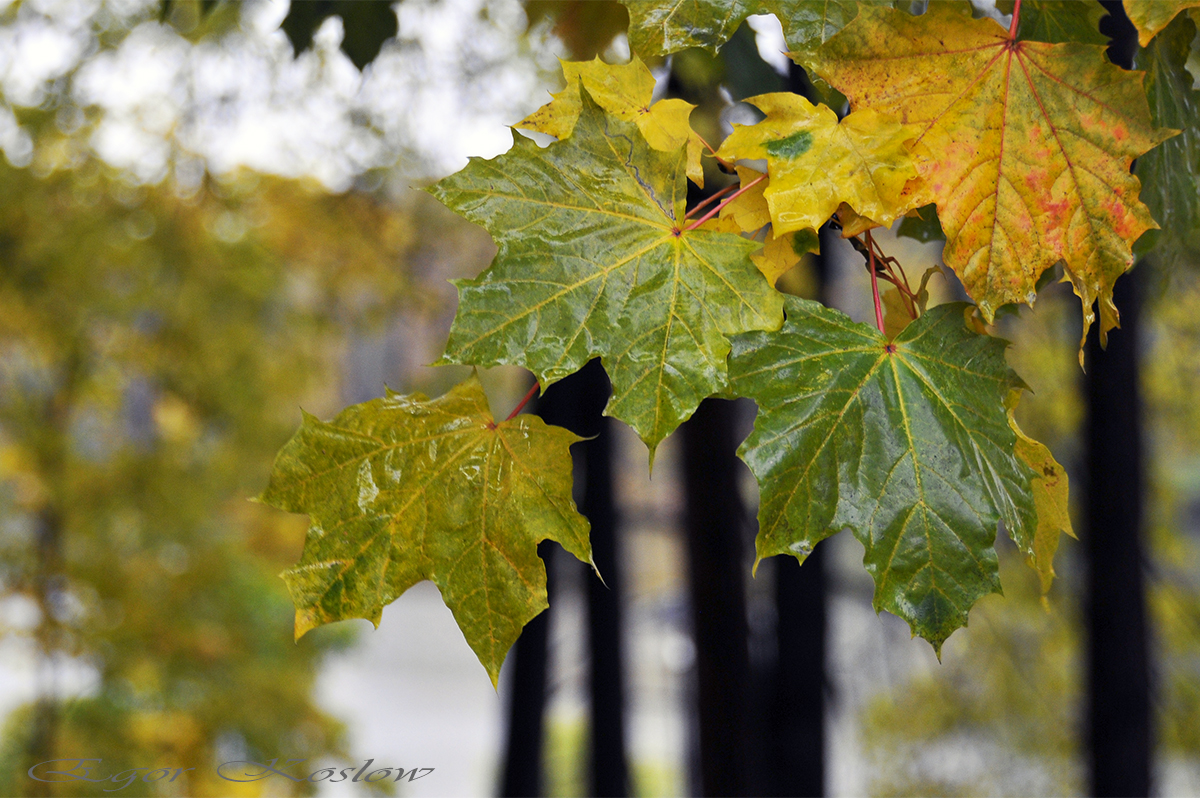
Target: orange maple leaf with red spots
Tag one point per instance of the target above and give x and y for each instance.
(1027, 146)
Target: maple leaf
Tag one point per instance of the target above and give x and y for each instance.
(405, 488)
(1151, 16)
(1050, 494)
(816, 162)
(906, 443)
(896, 312)
(1027, 146)
(1171, 172)
(1056, 21)
(593, 262)
(626, 91)
(748, 212)
(780, 254)
(662, 27)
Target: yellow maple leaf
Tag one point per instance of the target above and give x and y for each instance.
(748, 212)
(1027, 146)
(780, 254)
(1050, 492)
(626, 91)
(816, 163)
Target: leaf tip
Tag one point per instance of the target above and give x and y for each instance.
(306, 621)
(652, 447)
(595, 570)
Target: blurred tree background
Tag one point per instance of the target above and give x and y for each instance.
(163, 313)
(153, 349)
(156, 338)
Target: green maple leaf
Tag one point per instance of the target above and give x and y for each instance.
(592, 262)
(661, 27)
(910, 448)
(1058, 21)
(405, 488)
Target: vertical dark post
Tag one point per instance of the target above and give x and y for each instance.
(798, 719)
(609, 774)
(522, 776)
(577, 403)
(713, 526)
(1118, 708)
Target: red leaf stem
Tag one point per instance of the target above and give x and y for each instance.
(874, 282)
(523, 402)
(710, 200)
(1012, 29)
(725, 202)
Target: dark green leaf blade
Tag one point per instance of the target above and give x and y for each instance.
(1058, 21)
(1170, 173)
(404, 488)
(911, 449)
(592, 262)
(366, 26)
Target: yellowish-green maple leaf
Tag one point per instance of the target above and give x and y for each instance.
(593, 261)
(906, 442)
(625, 91)
(816, 162)
(1050, 495)
(406, 488)
(1027, 146)
(661, 27)
(1151, 16)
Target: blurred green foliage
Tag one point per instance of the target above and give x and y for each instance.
(154, 346)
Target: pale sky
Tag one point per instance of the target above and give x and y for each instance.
(446, 89)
